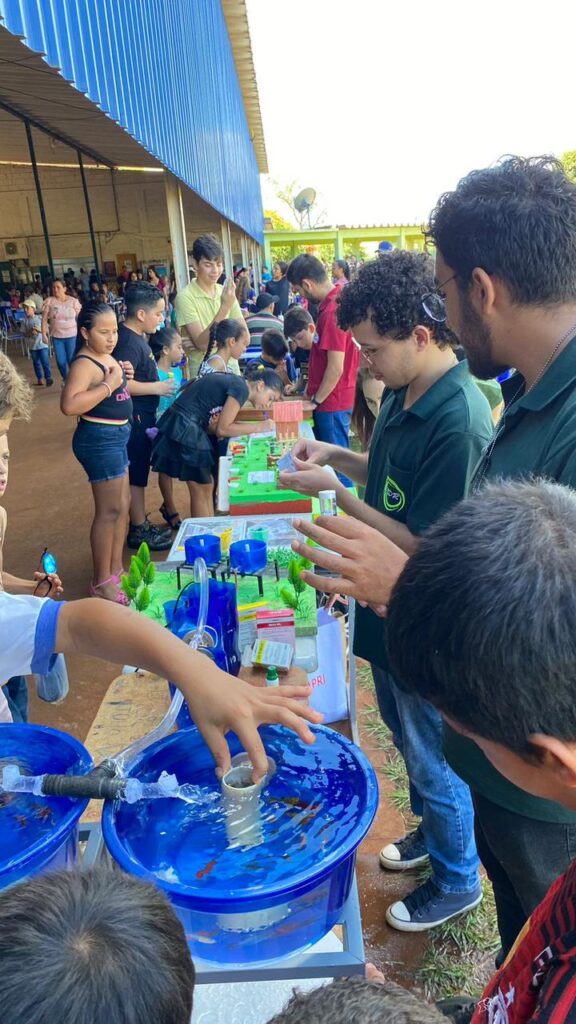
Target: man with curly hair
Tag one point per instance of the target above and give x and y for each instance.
(505, 241)
(432, 428)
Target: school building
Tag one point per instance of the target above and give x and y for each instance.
(126, 130)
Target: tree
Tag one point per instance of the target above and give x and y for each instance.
(287, 194)
(278, 222)
(568, 161)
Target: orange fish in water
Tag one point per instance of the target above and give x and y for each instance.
(206, 871)
(22, 820)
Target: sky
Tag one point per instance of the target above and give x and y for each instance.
(382, 105)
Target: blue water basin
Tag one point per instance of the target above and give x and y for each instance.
(39, 833)
(259, 903)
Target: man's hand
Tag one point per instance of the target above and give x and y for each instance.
(228, 296)
(317, 452)
(366, 564)
(310, 478)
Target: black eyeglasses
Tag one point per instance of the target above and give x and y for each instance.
(434, 303)
(47, 565)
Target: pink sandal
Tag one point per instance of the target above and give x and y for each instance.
(120, 598)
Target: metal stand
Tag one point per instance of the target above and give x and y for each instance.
(302, 965)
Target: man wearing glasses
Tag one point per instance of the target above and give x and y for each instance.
(433, 425)
(506, 261)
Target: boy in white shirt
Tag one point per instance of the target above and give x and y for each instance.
(37, 347)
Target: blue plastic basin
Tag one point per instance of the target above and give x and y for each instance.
(257, 904)
(39, 833)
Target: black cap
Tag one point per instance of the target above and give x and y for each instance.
(264, 300)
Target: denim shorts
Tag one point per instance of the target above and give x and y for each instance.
(101, 450)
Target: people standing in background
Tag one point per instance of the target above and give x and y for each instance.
(144, 314)
(37, 347)
(334, 358)
(340, 273)
(204, 302)
(31, 293)
(59, 323)
(94, 291)
(266, 275)
(280, 287)
(96, 392)
(84, 279)
(263, 318)
(14, 295)
(242, 287)
(158, 283)
(168, 350)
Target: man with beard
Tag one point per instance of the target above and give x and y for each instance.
(506, 269)
(432, 428)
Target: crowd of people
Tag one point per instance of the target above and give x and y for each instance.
(458, 544)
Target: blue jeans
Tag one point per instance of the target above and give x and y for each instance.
(333, 427)
(437, 795)
(64, 351)
(41, 360)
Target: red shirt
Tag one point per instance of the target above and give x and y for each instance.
(538, 980)
(332, 339)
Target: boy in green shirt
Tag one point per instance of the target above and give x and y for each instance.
(433, 426)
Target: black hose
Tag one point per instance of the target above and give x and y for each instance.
(99, 784)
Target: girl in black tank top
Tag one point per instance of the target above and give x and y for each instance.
(96, 391)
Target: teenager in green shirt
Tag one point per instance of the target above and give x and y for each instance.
(433, 425)
(506, 267)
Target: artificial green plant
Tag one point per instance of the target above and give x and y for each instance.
(136, 581)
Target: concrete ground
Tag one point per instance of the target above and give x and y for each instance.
(49, 505)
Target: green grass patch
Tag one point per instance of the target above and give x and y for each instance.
(459, 957)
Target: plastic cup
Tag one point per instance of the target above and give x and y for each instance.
(206, 546)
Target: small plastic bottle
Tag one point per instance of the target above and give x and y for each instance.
(272, 677)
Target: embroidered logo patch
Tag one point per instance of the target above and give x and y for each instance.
(394, 497)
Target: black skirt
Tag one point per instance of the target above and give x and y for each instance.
(183, 449)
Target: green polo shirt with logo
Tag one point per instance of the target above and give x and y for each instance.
(537, 437)
(421, 462)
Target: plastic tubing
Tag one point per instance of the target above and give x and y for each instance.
(169, 720)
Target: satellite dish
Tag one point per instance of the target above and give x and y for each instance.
(305, 199)
(303, 203)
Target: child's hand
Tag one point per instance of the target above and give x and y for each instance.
(167, 387)
(213, 423)
(49, 585)
(114, 378)
(290, 389)
(128, 369)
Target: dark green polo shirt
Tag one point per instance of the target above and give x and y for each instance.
(421, 462)
(536, 437)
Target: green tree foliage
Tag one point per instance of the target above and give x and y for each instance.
(569, 162)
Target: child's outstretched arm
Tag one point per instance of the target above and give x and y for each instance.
(218, 702)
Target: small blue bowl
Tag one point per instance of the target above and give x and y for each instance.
(206, 546)
(248, 556)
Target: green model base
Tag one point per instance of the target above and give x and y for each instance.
(246, 491)
(165, 588)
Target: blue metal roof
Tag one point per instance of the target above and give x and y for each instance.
(164, 70)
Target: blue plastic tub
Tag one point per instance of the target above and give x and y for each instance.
(39, 833)
(248, 556)
(260, 903)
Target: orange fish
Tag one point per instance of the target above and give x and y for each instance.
(206, 871)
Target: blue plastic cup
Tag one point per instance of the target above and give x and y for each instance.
(248, 556)
(206, 546)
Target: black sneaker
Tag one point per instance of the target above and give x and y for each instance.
(404, 854)
(428, 906)
(155, 537)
